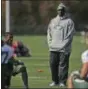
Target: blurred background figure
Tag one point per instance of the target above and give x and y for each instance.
(19, 48)
(84, 35)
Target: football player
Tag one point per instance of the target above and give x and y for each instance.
(79, 79)
(18, 66)
(6, 55)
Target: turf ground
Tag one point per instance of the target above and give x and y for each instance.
(40, 60)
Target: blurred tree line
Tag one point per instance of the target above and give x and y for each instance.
(33, 16)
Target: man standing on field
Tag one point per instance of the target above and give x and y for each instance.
(59, 35)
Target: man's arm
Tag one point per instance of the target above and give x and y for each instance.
(69, 83)
(84, 70)
(71, 30)
(70, 33)
(49, 35)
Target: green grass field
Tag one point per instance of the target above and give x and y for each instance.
(40, 60)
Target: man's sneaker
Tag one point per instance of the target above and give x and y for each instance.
(62, 85)
(52, 84)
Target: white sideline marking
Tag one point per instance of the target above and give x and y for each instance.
(39, 58)
(37, 77)
(40, 53)
(40, 65)
(34, 77)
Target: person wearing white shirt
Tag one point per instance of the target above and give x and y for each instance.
(80, 79)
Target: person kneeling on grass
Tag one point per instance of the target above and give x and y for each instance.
(80, 79)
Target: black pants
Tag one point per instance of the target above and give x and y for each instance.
(59, 64)
(5, 73)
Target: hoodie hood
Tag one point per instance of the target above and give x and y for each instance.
(61, 5)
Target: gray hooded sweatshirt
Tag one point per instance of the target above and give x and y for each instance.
(60, 33)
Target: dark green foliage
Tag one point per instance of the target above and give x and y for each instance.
(32, 17)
